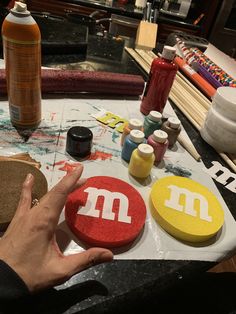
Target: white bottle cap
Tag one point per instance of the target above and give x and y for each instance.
(136, 136)
(135, 124)
(155, 116)
(145, 150)
(168, 52)
(160, 136)
(173, 122)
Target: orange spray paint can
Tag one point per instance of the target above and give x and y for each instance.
(22, 53)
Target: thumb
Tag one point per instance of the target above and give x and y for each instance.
(77, 262)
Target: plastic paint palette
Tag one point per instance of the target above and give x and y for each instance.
(186, 209)
(106, 212)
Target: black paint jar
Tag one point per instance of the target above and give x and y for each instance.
(79, 141)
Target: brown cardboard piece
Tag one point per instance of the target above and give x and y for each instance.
(13, 174)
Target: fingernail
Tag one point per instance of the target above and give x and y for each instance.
(107, 256)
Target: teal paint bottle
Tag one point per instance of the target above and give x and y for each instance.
(152, 122)
(132, 141)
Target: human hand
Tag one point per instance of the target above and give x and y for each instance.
(29, 245)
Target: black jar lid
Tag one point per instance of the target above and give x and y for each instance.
(79, 141)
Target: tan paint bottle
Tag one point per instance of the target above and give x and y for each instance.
(22, 54)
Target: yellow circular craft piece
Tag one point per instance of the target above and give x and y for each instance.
(186, 209)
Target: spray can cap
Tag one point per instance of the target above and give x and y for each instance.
(145, 150)
(168, 52)
(135, 124)
(20, 7)
(160, 136)
(155, 116)
(173, 122)
(136, 136)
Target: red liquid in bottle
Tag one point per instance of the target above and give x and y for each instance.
(162, 75)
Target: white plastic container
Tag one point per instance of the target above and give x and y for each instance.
(219, 129)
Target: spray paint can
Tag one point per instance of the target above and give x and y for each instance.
(22, 54)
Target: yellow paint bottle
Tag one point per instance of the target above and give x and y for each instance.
(22, 54)
(142, 160)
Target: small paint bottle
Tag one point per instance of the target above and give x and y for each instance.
(142, 160)
(159, 141)
(152, 122)
(172, 128)
(133, 124)
(132, 141)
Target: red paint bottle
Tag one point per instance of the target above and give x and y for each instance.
(161, 77)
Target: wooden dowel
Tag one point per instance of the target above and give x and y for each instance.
(205, 103)
(188, 116)
(229, 162)
(188, 145)
(138, 59)
(197, 115)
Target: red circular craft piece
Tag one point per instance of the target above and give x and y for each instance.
(106, 212)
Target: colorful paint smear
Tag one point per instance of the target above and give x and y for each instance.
(178, 171)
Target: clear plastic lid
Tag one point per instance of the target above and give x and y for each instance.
(145, 150)
(135, 124)
(136, 136)
(173, 122)
(155, 116)
(168, 52)
(160, 136)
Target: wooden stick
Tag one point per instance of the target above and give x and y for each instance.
(188, 145)
(196, 115)
(189, 100)
(138, 59)
(188, 116)
(194, 90)
(229, 162)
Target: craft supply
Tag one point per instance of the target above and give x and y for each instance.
(190, 90)
(22, 54)
(172, 128)
(196, 78)
(159, 141)
(140, 4)
(152, 122)
(142, 160)
(105, 212)
(213, 70)
(13, 174)
(75, 81)
(110, 119)
(161, 77)
(188, 146)
(219, 128)
(142, 40)
(132, 141)
(133, 124)
(79, 141)
(186, 209)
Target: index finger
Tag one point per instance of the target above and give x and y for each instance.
(55, 199)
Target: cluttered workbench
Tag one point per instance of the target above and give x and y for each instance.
(155, 261)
